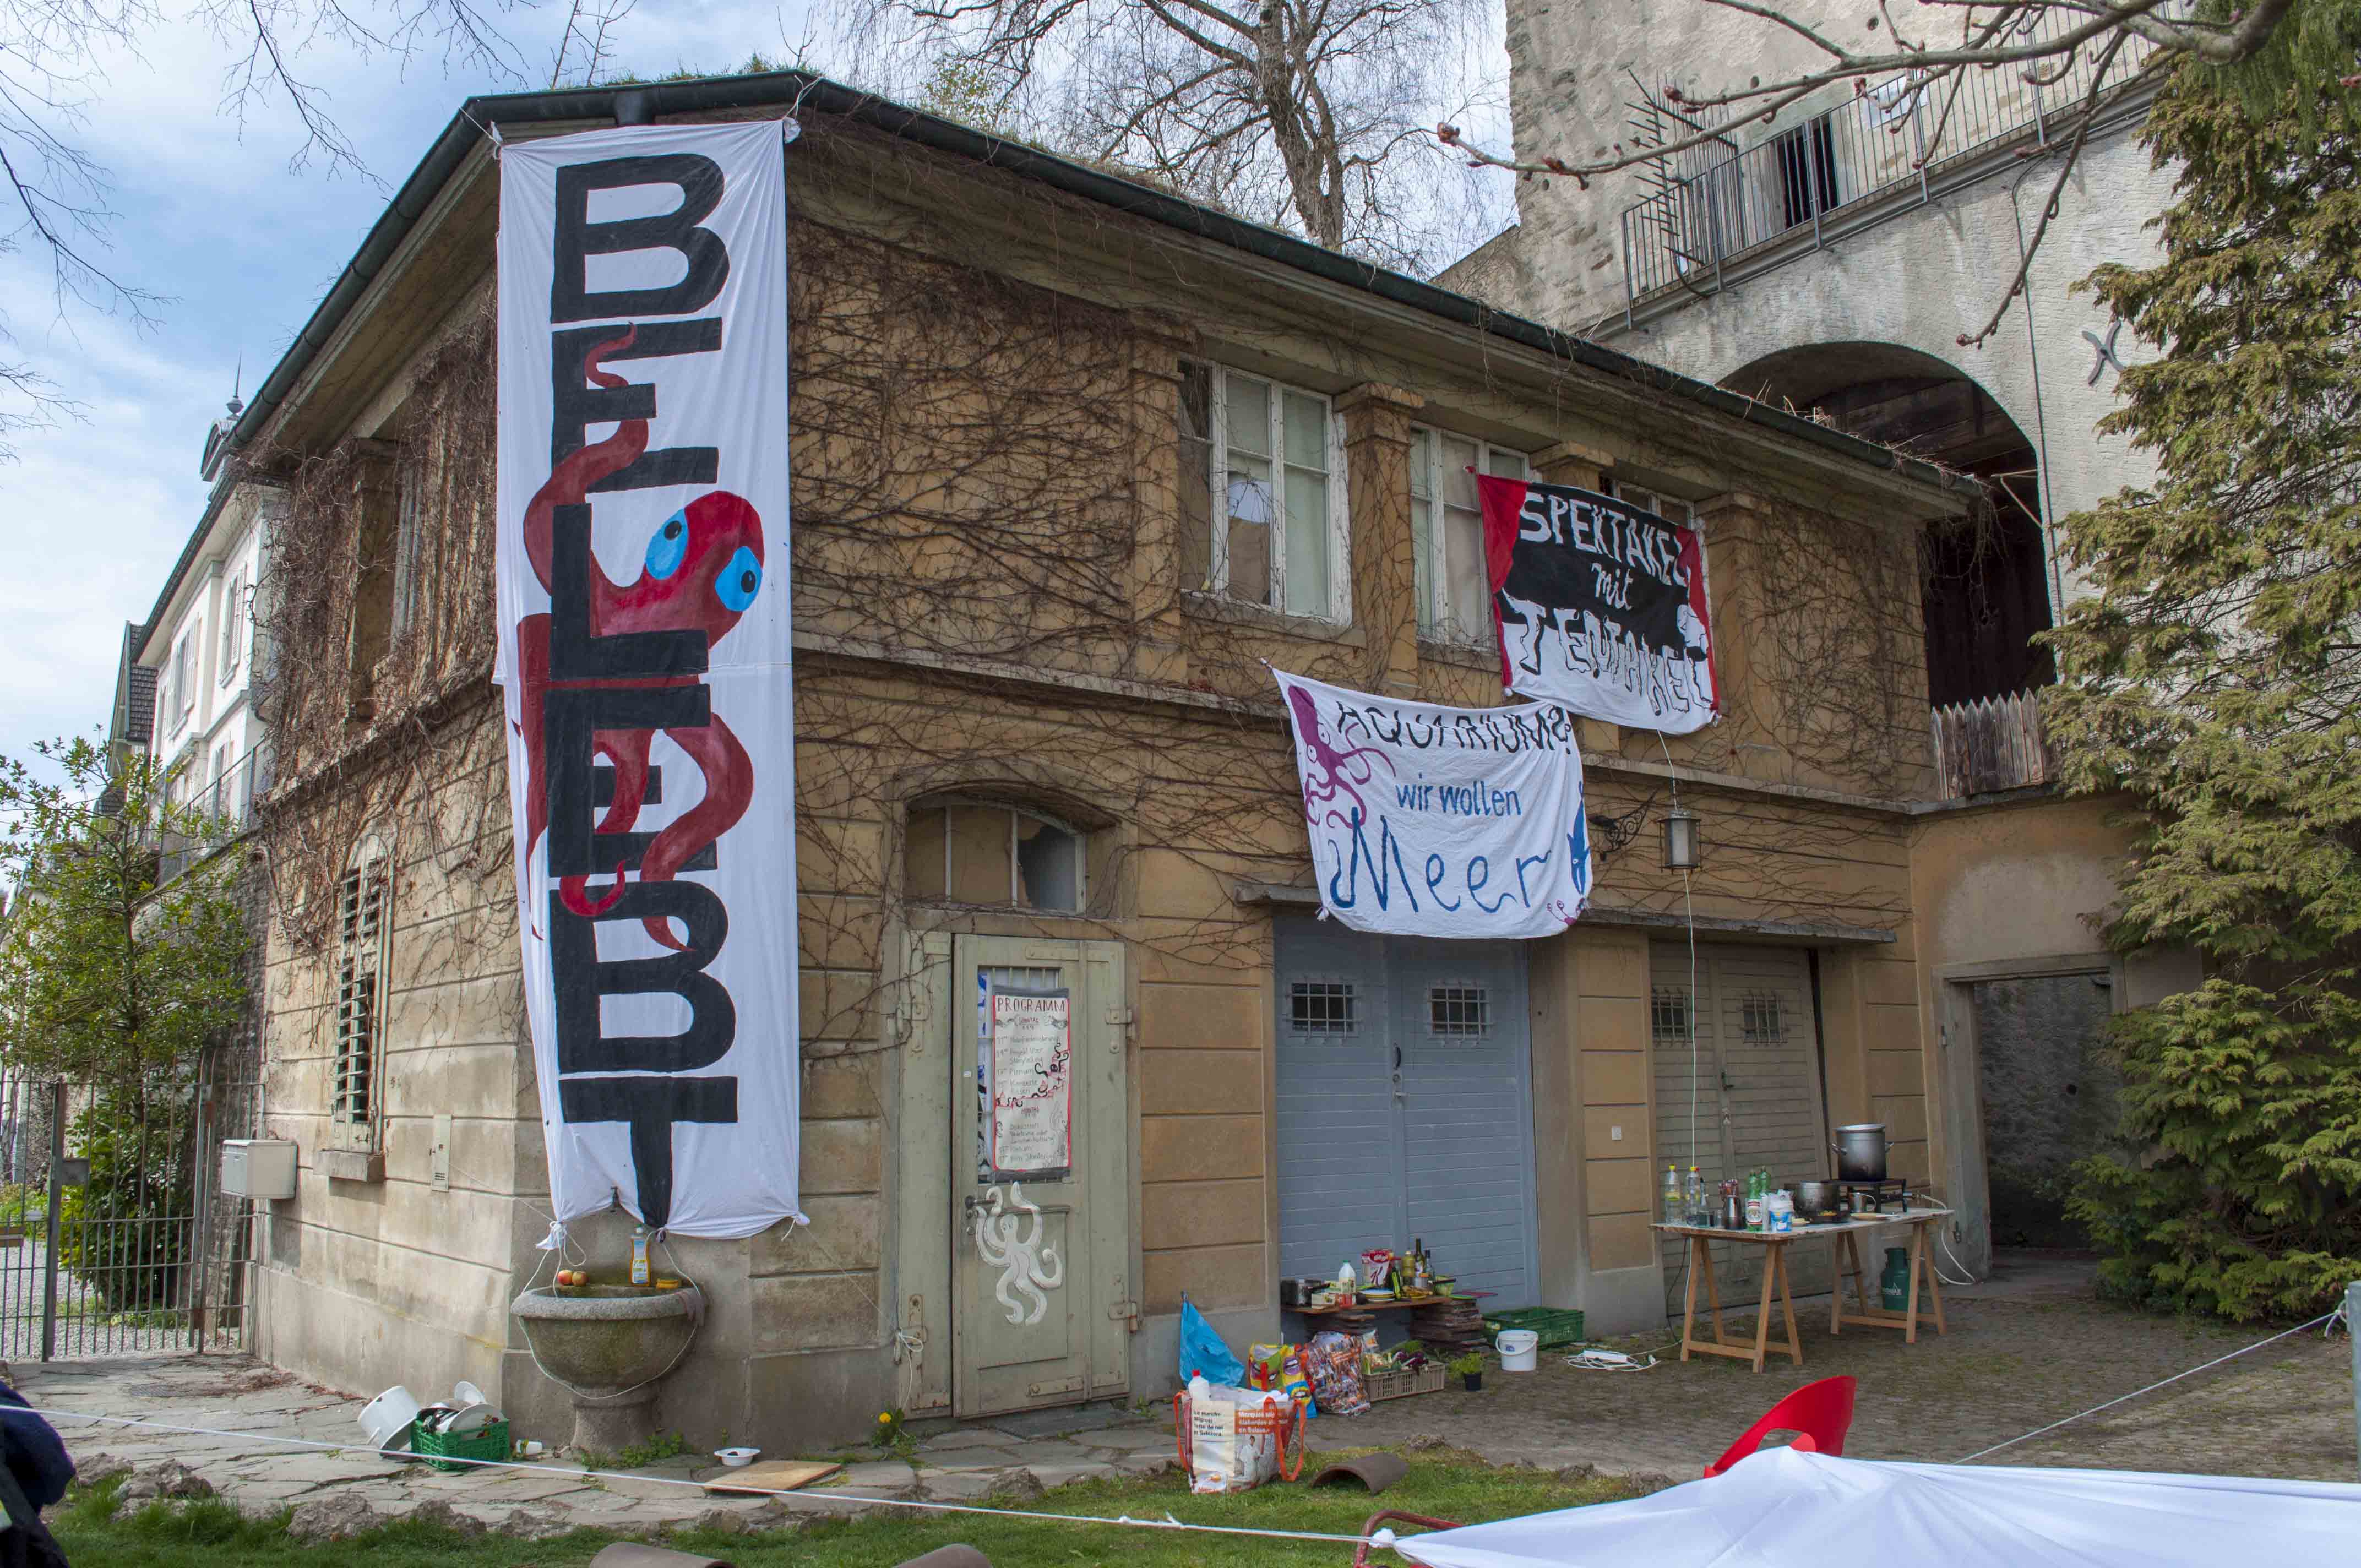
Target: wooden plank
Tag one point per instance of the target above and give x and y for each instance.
(771, 1475)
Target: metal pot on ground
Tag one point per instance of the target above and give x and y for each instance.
(1860, 1152)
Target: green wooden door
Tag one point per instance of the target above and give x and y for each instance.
(1042, 1295)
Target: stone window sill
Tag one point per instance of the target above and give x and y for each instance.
(1466, 655)
(350, 1165)
(1213, 607)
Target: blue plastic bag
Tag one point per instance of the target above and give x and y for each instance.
(1203, 1353)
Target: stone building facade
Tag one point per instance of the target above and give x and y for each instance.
(1833, 260)
(1035, 734)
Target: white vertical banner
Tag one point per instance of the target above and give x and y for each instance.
(644, 659)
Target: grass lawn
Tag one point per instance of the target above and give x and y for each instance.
(98, 1532)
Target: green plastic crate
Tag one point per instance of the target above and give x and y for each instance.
(1557, 1326)
(438, 1449)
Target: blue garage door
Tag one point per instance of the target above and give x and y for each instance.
(1405, 1109)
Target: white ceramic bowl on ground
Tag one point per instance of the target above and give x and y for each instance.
(736, 1458)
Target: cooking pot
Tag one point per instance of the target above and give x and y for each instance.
(1860, 1152)
(1815, 1199)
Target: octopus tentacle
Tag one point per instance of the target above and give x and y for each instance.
(729, 790)
(574, 892)
(628, 749)
(570, 481)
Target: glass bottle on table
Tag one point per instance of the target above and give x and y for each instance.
(1675, 1199)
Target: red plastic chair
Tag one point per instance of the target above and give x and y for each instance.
(1818, 1413)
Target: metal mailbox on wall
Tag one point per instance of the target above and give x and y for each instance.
(261, 1169)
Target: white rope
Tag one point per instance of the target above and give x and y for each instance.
(2053, 1426)
(1167, 1522)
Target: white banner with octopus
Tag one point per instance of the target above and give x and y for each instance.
(1430, 821)
(644, 659)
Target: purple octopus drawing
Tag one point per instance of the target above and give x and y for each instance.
(1329, 774)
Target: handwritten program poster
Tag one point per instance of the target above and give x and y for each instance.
(1032, 1085)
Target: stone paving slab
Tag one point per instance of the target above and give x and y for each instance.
(2027, 1347)
(969, 1437)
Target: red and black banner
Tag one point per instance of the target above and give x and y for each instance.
(1600, 606)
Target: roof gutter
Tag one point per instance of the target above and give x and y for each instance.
(793, 90)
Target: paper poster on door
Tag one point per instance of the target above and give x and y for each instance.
(1030, 1058)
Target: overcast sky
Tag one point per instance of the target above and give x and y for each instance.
(209, 215)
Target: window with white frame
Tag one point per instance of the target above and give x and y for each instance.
(409, 545)
(363, 899)
(1273, 505)
(184, 678)
(1446, 527)
(233, 626)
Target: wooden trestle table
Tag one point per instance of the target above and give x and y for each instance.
(1774, 1243)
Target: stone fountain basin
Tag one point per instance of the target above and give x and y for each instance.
(604, 1340)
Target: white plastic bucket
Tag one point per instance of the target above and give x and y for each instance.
(388, 1415)
(1519, 1349)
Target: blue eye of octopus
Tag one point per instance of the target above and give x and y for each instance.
(739, 581)
(669, 547)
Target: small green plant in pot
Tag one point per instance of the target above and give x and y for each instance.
(1470, 1367)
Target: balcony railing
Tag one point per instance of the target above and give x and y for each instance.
(1714, 203)
(1992, 744)
(228, 803)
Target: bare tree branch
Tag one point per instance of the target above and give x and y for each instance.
(50, 73)
(1308, 113)
(2043, 41)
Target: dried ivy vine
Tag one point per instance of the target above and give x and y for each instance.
(986, 480)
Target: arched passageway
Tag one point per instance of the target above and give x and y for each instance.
(1985, 586)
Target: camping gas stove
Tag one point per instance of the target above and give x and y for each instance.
(1891, 1196)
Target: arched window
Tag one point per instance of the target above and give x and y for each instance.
(995, 855)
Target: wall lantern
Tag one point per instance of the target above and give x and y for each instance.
(1680, 840)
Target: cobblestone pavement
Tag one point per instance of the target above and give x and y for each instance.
(2028, 1348)
(1024, 1455)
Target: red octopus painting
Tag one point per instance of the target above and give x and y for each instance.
(702, 569)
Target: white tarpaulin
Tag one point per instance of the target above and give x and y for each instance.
(1784, 1507)
(1430, 821)
(644, 658)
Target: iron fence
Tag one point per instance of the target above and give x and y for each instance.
(112, 1240)
(1712, 201)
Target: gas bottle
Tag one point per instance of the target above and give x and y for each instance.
(1894, 1285)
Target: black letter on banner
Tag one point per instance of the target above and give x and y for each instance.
(580, 978)
(576, 404)
(578, 239)
(651, 1105)
(570, 716)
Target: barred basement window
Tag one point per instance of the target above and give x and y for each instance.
(1320, 1007)
(1759, 1021)
(1459, 1010)
(362, 900)
(1668, 1013)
